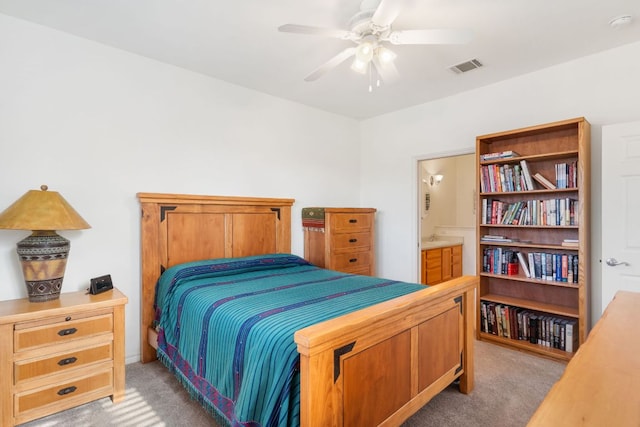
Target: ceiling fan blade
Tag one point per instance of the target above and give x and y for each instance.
(306, 29)
(387, 70)
(333, 62)
(434, 36)
(387, 12)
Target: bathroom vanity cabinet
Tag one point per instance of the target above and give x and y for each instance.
(441, 263)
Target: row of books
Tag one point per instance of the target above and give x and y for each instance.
(567, 175)
(558, 267)
(556, 212)
(520, 324)
(498, 155)
(517, 177)
(505, 178)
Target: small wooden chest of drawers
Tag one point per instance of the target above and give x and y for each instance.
(342, 240)
(59, 354)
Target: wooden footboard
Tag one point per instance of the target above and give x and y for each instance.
(379, 365)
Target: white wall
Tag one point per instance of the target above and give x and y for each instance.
(604, 88)
(99, 125)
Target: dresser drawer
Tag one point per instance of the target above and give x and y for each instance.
(61, 362)
(349, 241)
(346, 243)
(352, 261)
(348, 222)
(60, 332)
(63, 391)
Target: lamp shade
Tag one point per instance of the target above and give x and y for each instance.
(41, 210)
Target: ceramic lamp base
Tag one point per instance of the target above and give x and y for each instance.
(43, 256)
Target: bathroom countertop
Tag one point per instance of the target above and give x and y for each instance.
(441, 242)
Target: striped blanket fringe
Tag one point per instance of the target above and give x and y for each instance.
(193, 392)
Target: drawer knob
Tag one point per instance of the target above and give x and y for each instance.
(67, 390)
(353, 240)
(65, 332)
(353, 221)
(67, 361)
(66, 319)
(353, 260)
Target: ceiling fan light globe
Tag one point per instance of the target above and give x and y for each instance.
(364, 52)
(386, 55)
(359, 66)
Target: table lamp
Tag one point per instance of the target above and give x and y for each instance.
(43, 254)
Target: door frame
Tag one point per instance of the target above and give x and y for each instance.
(416, 228)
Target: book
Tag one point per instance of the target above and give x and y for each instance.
(564, 266)
(549, 267)
(544, 181)
(484, 325)
(532, 267)
(533, 329)
(571, 336)
(498, 239)
(570, 243)
(527, 175)
(537, 259)
(523, 264)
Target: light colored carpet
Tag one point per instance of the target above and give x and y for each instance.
(509, 386)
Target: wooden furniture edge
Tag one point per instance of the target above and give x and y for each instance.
(168, 198)
(21, 310)
(321, 335)
(599, 385)
(540, 127)
(322, 400)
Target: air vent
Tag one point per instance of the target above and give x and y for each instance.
(466, 66)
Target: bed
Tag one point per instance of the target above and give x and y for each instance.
(376, 365)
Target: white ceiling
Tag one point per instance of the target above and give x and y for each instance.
(237, 41)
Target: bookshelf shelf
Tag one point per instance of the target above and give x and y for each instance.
(530, 226)
(514, 206)
(545, 156)
(531, 192)
(527, 346)
(560, 310)
(530, 245)
(523, 278)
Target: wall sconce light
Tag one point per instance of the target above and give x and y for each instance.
(435, 179)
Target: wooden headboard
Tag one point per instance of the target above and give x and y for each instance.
(177, 228)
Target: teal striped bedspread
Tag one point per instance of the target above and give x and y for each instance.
(226, 326)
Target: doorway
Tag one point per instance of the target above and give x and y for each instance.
(447, 206)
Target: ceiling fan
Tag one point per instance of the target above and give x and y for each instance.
(371, 29)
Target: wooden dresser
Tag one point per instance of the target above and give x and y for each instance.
(340, 239)
(59, 354)
(599, 387)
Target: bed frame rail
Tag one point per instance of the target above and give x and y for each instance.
(379, 365)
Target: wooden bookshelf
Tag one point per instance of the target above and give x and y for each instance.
(535, 220)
